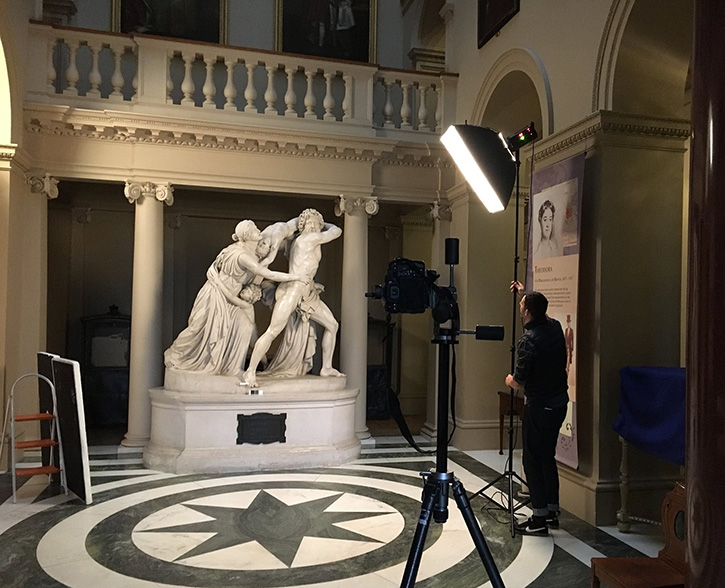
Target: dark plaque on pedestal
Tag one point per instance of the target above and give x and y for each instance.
(261, 427)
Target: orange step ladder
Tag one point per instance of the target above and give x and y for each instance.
(54, 440)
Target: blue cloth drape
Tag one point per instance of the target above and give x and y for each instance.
(652, 411)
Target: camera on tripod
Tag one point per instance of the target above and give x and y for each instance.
(410, 289)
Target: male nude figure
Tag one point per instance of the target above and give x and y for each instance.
(305, 253)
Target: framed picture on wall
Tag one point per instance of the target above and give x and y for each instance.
(196, 20)
(492, 16)
(338, 29)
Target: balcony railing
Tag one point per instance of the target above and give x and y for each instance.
(97, 67)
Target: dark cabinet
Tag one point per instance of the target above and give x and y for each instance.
(106, 350)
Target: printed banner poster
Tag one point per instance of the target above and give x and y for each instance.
(553, 267)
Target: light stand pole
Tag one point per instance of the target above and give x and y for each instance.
(436, 483)
(509, 474)
(487, 161)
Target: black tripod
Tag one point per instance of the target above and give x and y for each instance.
(509, 474)
(435, 488)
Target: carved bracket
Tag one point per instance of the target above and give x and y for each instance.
(440, 212)
(346, 205)
(42, 184)
(162, 192)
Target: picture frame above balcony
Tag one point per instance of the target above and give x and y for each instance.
(195, 20)
(337, 29)
(492, 16)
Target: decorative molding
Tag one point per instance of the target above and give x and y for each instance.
(612, 123)
(345, 205)
(608, 51)
(440, 212)
(59, 12)
(7, 152)
(428, 60)
(137, 130)
(161, 192)
(42, 184)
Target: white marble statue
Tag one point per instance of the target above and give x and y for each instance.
(298, 302)
(221, 324)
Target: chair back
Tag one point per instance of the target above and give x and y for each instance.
(673, 522)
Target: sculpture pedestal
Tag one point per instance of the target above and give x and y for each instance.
(203, 423)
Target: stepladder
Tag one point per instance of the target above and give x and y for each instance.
(48, 438)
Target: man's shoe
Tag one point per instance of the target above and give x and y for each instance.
(552, 520)
(534, 526)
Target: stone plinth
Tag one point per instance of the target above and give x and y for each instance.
(195, 419)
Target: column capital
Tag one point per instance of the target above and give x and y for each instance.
(348, 204)
(440, 212)
(161, 192)
(41, 183)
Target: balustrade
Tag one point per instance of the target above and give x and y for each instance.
(143, 69)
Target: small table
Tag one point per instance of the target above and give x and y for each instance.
(504, 407)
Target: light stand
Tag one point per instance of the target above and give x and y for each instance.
(487, 161)
(437, 483)
(509, 474)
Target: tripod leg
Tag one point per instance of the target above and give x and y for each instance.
(421, 531)
(464, 505)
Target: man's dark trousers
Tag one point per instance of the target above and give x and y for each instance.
(540, 429)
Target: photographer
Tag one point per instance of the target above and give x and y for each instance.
(541, 373)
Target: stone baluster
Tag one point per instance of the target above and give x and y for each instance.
(187, 86)
(347, 99)
(94, 77)
(169, 81)
(290, 98)
(439, 110)
(117, 77)
(146, 359)
(405, 109)
(230, 90)
(209, 89)
(270, 94)
(388, 107)
(354, 310)
(71, 73)
(52, 74)
(329, 102)
(134, 82)
(310, 100)
(422, 107)
(250, 92)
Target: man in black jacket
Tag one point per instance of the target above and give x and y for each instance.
(541, 373)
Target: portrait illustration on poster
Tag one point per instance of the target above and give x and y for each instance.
(554, 223)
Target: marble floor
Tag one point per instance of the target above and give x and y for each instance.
(349, 526)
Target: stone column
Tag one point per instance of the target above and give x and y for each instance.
(146, 364)
(354, 313)
(441, 217)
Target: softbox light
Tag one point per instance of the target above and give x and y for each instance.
(485, 160)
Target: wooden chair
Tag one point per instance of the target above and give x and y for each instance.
(667, 570)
